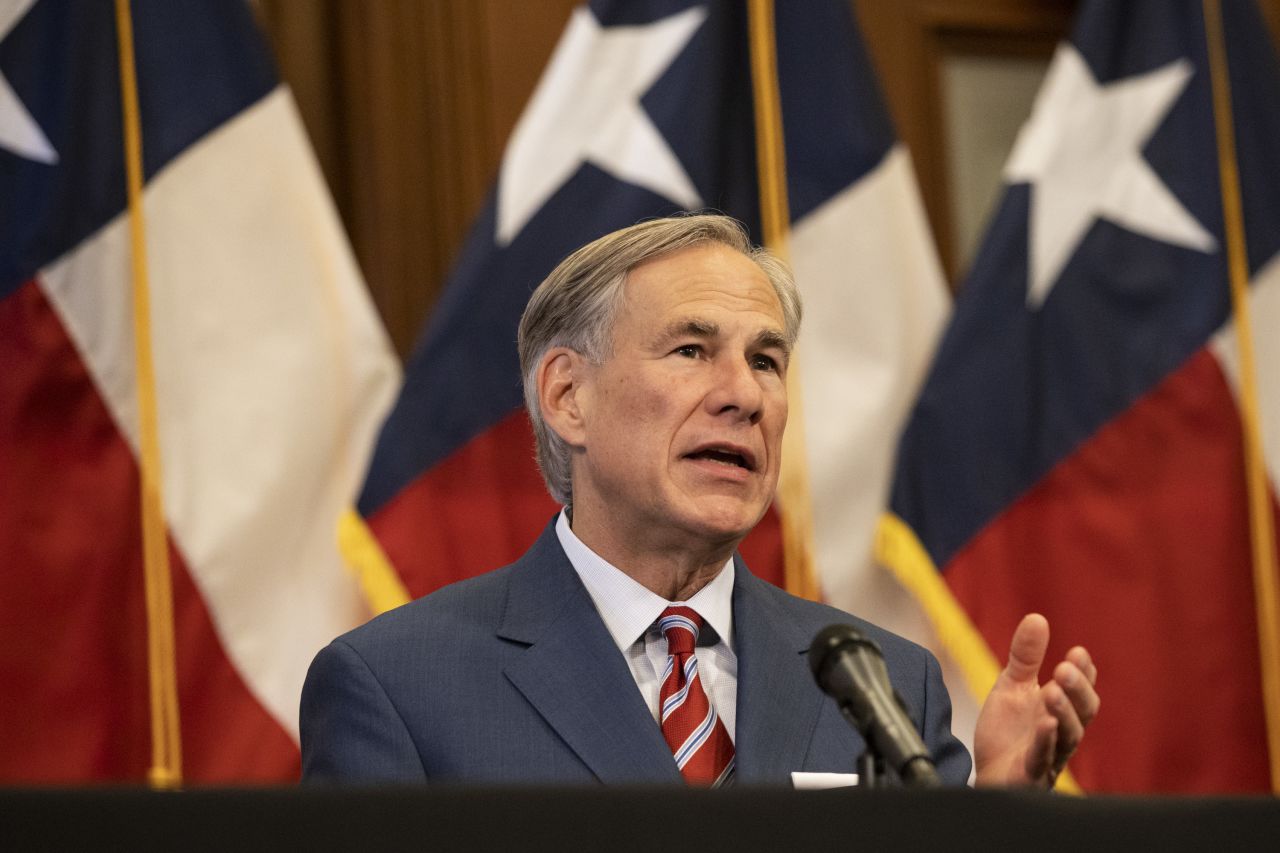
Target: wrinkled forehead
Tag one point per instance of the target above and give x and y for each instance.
(708, 279)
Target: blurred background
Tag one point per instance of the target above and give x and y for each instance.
(409, 103)
(975, 438)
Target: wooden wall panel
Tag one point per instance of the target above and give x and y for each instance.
(415, 139)
(302, 36)
(409, 104)
(520, 39)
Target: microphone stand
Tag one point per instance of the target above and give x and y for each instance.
(871, 770)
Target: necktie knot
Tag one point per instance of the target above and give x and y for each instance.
(680, 625)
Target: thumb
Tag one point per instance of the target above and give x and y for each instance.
(1027, 650)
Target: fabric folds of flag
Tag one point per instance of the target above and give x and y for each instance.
(272, 373)
(1077, 447)
(645, 110)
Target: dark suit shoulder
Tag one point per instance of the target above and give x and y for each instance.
(480, 608)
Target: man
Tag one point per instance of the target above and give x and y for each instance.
(630, 643)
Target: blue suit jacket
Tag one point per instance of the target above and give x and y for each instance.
(512, 677)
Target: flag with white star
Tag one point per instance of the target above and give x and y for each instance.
(644, 110)
(272, 373)
(1077, 448)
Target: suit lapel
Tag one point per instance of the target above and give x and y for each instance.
(573, 674)
(778, 707)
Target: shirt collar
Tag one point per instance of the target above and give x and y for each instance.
(628, 608)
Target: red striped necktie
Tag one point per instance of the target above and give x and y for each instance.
(695, 733)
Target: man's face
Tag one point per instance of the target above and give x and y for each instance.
(683, 422)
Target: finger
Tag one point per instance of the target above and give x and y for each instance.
(1040, 756)
(1079, 690)
(1027, 650)
(1079, 656)
(1069, 728)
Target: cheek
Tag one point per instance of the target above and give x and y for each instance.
(776, 423)
(650, 402)
(776, 404)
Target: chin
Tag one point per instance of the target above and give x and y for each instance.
(724, 523)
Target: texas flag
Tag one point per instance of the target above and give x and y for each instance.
(272, 373)
(644, 110)
(1077, 449)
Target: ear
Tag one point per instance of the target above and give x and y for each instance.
(562, 373)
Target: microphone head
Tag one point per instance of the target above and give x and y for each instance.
(850, 668)
(831, 639)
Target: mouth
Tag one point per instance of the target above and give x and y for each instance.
(731, 455)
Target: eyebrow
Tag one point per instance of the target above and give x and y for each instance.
(705, 330)
(690, 328)
(775, 339)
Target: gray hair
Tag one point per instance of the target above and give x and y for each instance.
(575, 307)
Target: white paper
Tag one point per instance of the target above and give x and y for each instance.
(818, 781)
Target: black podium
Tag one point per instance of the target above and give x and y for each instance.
(625, 819)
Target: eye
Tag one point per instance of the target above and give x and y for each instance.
(760, 361)
(688, 350)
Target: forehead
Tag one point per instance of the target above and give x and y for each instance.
(705, 280)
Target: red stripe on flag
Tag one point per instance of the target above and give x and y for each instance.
(762, 549)
(73, 666)
(1137, 546)
(485, 504)
(477, 510)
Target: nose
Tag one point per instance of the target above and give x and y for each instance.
(736, 391)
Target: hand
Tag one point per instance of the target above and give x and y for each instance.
(1026, 731)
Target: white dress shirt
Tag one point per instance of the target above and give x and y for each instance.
(630, 612)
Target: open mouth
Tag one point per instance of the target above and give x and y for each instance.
(725, 456)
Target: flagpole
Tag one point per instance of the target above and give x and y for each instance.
(775, 217)
(166, 740)
(1261, 522)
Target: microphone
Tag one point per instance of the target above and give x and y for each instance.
(850, 668)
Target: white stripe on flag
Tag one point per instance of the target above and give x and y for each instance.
(875, 305)
(1264, 307)
(273, 374)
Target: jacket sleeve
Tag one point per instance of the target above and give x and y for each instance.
(949, 755)
(350, 729)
